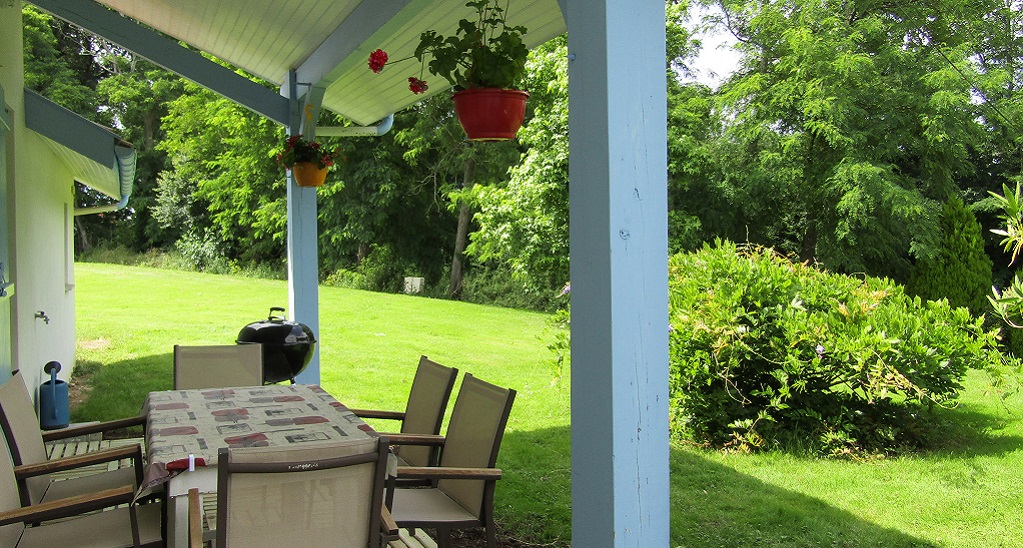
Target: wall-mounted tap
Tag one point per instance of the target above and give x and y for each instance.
(42, 316)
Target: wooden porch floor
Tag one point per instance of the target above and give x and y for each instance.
(78, 446)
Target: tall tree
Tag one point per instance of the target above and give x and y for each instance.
(226, 193)
(435, 143)
(524, 225)
(960, 270)
(849, 126)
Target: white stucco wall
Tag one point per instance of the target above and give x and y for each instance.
(41, 194)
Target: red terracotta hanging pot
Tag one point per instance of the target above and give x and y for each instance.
(308, 174)
(490, 114)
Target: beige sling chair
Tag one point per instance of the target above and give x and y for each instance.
(27, 448)
(129, 525)
(465, 480)
(218, 366)
(424, 411)
(310, 496)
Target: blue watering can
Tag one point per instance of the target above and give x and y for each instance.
(54, 406)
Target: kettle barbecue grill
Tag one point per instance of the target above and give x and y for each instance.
(288, 346)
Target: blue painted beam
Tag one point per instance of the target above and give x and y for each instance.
(303, 250)
(619, 272)
(66, 128)
(170, 55)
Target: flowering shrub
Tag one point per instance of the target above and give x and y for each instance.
(764, 351)
(483, 53)
(297, 149)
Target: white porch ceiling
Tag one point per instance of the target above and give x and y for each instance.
(328, 42)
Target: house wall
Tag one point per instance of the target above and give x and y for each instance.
(40, 196)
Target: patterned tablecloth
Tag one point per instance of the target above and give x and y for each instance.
(192, 425)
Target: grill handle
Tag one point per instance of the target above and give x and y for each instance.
(273, 309)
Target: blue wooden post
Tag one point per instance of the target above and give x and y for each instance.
(618, 213)
(303, 253)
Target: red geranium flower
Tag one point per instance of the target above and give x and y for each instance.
(377, 60)
(415, 85)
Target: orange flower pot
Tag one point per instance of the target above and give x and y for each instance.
(490, 114)
(308, 174)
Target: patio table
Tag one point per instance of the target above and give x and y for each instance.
(186, 429)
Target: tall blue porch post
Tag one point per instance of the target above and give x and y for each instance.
(303, 252)
(618, 214)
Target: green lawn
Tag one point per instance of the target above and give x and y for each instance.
(966, 494)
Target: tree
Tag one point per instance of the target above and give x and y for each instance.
(524, 225)
(960, 270)
(436, 144)
(226, 194)
(849, 126)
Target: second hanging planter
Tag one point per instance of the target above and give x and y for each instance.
(490, 114)
(309, 174)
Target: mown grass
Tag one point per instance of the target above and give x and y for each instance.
(964, 492)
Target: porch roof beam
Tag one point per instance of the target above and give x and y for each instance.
(68, 129)
(170, 55)
(370, 22)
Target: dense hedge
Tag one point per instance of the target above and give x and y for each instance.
(960, 270)
(766, 351)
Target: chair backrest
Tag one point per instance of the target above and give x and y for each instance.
(474, 437)
(21, 431)
(427, 401)
(314, 495)
(218, 366)
(9, 498)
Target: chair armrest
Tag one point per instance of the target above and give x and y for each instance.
(376, 414)
(194, 519)
(69, 506)
(415, 439)
(133, 452)
(93, 428)
(388, 527)
(437, 472)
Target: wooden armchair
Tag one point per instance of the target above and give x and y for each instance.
(314, 495)
(424, 411)
(218, 366)
(129, 525)
(27, 450)
(465, 480)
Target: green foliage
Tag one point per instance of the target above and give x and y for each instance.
(298, 149)
(49, 54)
(225, 187)
(764, 351)
(524, 225)
(1008, 303)
(847, 125)
(960, 270)
(498, 286)
(485, 53)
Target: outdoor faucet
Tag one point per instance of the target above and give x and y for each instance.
(42, 316)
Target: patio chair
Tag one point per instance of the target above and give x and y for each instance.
(27, 449)
(218, 366)
(310, 496)
(464, 492)
(424, 411)
(130, 525)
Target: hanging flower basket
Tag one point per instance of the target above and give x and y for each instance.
(490, 114)
(309, 174)
(485, 60)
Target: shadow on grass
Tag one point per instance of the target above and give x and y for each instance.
(970, 431)
(711, 505)
(129, 381)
